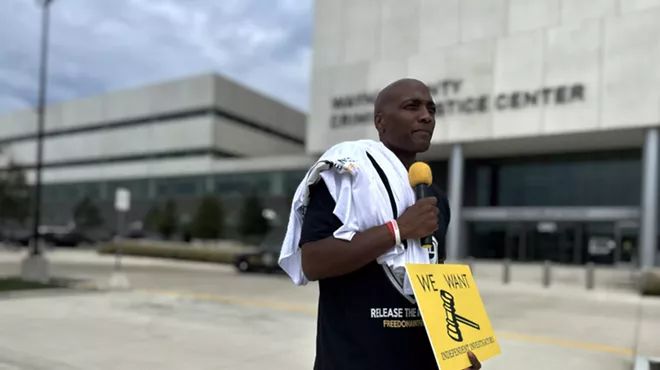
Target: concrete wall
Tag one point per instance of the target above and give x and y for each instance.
(174, 96)
(206, 112)
(598, 60)
(247, 103)
(181, 134)
(246, 141)
(200, 165)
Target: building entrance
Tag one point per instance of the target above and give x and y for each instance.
(627, 236)
(562, 241)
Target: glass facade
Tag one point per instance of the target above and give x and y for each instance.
(139, 188)
(72, 192)
(60, 199)
(280, 183)
(591, 179)
(561, 242)
(178, 187)
(611, 179)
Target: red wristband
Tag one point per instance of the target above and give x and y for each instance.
(394, 229)
(390, 225)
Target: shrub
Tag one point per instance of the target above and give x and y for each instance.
(152, 218)
(252, 222)
(86, 214)
(168, 223)
(14, 194)
(208, 221)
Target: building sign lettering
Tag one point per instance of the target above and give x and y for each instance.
(357, 109)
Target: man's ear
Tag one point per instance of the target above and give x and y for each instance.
(379, 123)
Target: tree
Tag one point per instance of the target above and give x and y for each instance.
(86, 215)
(252, 222)
(14, 194)
(152, 218)
(208, 220)
(168, 222)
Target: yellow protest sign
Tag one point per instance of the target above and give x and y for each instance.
(453, 313)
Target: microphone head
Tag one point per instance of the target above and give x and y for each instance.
(420, 173)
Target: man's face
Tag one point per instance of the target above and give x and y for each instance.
(407, 120)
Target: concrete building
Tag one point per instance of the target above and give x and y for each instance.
(178, 140)
(547, 122)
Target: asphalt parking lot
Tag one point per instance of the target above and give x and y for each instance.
(187, 315)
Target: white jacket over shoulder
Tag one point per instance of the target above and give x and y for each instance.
(362, 202)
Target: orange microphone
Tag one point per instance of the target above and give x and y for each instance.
(421, 178)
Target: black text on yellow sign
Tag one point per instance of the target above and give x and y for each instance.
(453, 314)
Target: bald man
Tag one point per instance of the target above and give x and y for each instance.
(360, 312)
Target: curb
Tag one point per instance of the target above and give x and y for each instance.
(75, 287)
(44, 293)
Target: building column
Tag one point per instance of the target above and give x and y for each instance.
(277, 183)
(453, 243)
(209, 184)
(649, 206)
(151, 190)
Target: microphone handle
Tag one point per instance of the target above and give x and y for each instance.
(420, 193)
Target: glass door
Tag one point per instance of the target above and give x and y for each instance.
(554, 241)
(514, 242)
(600, 240)
(627, 238)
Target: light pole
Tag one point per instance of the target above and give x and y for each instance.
(35, 266)
(41, 107)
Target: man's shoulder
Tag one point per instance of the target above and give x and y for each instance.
(347, 156)
(443, 202)
(349, 146)
(438, 193)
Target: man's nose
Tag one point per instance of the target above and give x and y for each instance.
(426, 116)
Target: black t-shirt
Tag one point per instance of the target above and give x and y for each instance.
(364, 322)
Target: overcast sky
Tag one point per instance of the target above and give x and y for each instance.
(104, 45)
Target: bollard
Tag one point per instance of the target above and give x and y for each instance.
(590, 275)
(546, 273)
(506, 273)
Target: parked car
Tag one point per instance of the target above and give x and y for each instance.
(17, 238)
(265, 257)
(69, 238)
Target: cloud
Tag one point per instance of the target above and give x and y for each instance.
(100, 46)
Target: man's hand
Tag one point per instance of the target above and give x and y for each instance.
(419, 220)
(476, 365)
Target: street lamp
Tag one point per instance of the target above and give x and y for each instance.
(35, 266)
(41, 106)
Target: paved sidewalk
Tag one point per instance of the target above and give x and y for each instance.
(192, 315)
(164, 331)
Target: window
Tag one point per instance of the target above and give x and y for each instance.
(292, 179)
(179, 187)
(611, 179)
(139, 188)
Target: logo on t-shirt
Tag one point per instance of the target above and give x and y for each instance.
(345, 165)
(433, 251)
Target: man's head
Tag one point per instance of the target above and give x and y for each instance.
(404, 115)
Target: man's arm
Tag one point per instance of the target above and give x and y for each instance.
(324, 256)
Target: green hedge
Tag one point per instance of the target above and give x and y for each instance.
(8, 284)
(188, 253)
